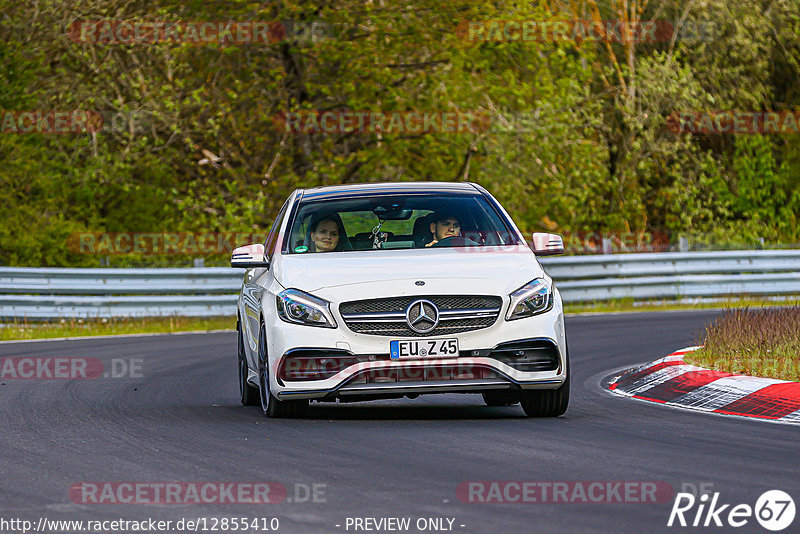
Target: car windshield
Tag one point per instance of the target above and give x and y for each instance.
(397, 222)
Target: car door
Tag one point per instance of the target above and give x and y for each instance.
(256, 280)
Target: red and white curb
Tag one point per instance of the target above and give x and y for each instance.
(673, 382)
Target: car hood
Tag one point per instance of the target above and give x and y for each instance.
(370, 274)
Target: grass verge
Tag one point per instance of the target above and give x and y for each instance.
(19, 330)
(757, 342)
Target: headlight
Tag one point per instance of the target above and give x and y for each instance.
(531, 299)
(301, 308)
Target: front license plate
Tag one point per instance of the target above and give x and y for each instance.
(424, 348)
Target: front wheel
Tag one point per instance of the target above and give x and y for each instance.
(270, 405)
(248, 393)
(547, 402)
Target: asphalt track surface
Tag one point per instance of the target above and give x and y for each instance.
(182, 422)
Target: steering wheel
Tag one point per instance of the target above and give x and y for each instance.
(456, 241)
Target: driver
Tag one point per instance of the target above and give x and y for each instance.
(326, 231)
(443, 225)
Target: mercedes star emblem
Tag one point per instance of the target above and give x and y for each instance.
(422, 316)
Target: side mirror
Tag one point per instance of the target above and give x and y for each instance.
(547, 244)
(249, 256)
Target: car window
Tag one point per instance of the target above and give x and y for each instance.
(356, 222)
(269, 244)
(403, 222)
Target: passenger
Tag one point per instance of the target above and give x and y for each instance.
(443, 225)
(326, 233)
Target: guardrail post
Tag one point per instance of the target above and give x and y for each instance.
(683, 244)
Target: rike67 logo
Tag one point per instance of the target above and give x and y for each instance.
(774, 510)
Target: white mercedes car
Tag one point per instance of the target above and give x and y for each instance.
(390, 290)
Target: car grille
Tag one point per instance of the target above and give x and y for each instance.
(387, 317)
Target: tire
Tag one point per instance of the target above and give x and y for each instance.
(248, 393)
(270, 405)
(547, 402)
(501, 398)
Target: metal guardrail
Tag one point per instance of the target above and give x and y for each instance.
(676, 274)
(46, 293)
(53, 307)
(51, 281)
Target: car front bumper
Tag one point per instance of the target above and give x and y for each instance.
(472, 372)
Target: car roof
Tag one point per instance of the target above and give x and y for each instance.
(387, 188)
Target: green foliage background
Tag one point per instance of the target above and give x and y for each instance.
(597, 157)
